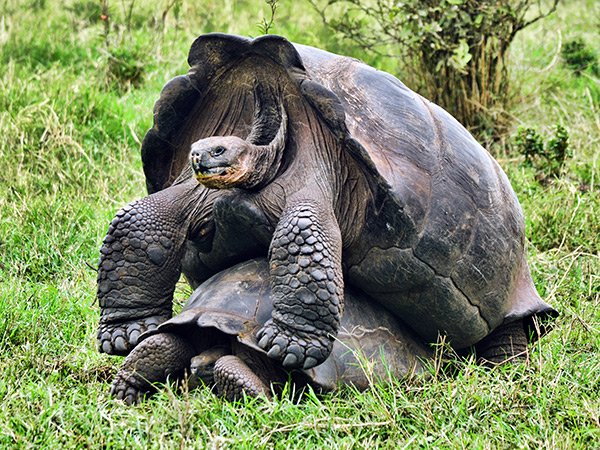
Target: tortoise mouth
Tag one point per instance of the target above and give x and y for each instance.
(206, 169)
(204, 372)
(203, 172)
(220, 177)
(204, 165)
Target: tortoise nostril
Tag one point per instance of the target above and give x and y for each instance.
(217, 151)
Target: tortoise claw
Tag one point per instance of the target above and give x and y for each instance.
(124, 389)
(309, 363)
(295, 349)
(275, 352)
(121, 338)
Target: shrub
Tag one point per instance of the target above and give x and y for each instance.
(452, 51)
(578, 56)
(548, 159)
(530, 144)
(125, 67)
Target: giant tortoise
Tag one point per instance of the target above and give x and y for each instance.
(341, 175)
(213, 339)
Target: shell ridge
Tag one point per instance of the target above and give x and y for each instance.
(203, 310)
(175, 101)
(381, 185)
(352, 146)
(441, 150)
(234, 48)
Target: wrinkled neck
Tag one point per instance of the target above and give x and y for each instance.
(266, 158)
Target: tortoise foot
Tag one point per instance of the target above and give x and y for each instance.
(506, 344)
(120, 338)
(234, 379)
(127, 387)
(158, 358)
(293, 348)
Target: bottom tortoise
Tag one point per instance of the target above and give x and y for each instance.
(213, 339)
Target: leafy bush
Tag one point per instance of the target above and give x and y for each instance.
(578, 56)
(124, 54)
(557, 149)
(452, 51)
(125, 67)
(529, 143)
(548, 158)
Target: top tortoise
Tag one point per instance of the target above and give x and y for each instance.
(339, 173)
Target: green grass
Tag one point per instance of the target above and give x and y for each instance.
(70, 127)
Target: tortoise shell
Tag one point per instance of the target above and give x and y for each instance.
(443, 243)
(371, 343)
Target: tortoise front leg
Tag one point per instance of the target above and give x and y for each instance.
(307, 286)
(140, 263)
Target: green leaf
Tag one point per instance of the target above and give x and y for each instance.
(461, 56)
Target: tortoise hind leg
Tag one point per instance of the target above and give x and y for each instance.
(233, 378)
(507, 343)
(152, 361)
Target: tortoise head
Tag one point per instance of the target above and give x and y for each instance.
(223, 162)
(202, 366)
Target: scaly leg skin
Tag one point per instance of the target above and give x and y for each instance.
(507, 343)
(233, 378)
(140, 263)
(307, 287)
(153, 361)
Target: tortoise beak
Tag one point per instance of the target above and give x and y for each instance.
(204, 373)
(206, 163)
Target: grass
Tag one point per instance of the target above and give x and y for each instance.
(71, 123)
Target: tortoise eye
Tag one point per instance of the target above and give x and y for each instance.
(217, 151)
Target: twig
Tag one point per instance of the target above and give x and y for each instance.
(266, 26)
(556, 55)
(539, 17)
